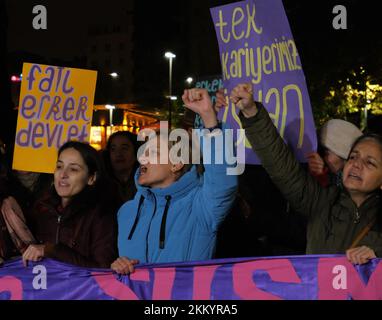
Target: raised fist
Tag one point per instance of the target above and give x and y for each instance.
(242, 97)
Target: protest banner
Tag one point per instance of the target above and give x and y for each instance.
(56, 105)
(276, 278)
(256, 46)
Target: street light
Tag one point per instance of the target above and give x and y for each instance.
(169, 56)
(114, 75)
(111, 109)
(189, 80)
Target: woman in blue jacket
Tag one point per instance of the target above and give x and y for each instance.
(176, 212)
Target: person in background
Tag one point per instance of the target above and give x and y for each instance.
(23, 186)
(121, 164)
(4, 170)
(336, 139)
(7, 249)
(73, 222)
(340, 221)
(26, 187)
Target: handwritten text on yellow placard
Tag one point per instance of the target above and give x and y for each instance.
(56, 105)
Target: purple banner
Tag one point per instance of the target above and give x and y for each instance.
(256, 46)
(282, 278)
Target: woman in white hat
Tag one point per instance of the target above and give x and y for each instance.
(336, 139)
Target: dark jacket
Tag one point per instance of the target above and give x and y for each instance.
(7, 249)
(334, 220)
(123, 192)
(84, 235)
(24, 196)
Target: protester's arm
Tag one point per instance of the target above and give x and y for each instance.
(297, 186)
(219, 188)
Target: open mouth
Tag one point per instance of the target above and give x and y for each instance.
(354, 176)
(143, 170)
(63, 186)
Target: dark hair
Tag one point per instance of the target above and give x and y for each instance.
(369, 136)
(128, 135)
(93, 193)
(121, 190)
(106, 153)
(88, 154)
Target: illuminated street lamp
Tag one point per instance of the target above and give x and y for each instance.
(170, 56)
(111, 109)
(189, 80)
(114, 75)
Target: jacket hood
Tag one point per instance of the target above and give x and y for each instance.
(177, 190)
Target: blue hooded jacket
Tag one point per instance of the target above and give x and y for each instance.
(177, 223)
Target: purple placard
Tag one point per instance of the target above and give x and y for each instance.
(276, 278)
(256, 46)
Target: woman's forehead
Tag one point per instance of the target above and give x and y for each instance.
(71, 155)
(369, 147)
(120, 140)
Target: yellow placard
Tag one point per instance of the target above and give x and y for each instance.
(56, 105)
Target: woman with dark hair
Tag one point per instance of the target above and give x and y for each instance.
(73, 222)
(121, 163)
(340, 220)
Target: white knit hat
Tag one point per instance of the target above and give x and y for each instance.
(338, 136)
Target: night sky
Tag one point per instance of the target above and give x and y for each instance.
(164, 25)
(68, 23)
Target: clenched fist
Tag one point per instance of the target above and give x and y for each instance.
(199, 101)
(242, 97)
